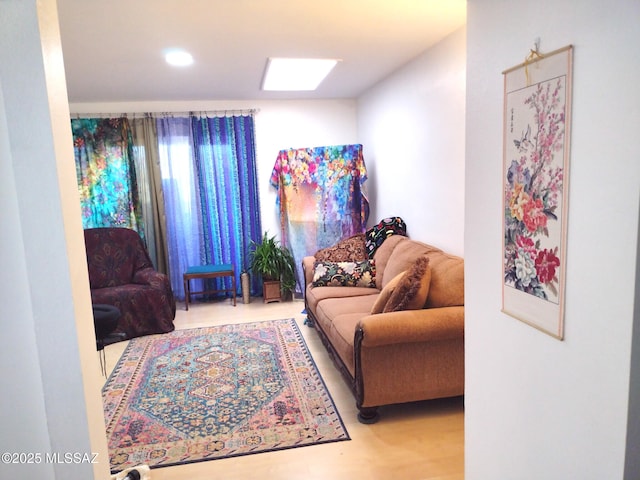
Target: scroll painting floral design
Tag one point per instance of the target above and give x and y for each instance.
(533, 189)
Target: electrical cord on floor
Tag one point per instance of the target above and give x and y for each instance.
(141, 472)
(103, 357)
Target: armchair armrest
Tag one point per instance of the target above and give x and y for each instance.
(157, 280)
(149, 276)
(412, 326)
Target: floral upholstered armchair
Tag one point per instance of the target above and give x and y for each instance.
(121, 274)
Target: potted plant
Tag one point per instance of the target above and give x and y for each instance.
(275, 264)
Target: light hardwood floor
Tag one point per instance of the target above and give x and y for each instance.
(423, 440)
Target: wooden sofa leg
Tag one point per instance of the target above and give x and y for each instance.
(368, 415)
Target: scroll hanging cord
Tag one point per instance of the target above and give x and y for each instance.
(533, 56)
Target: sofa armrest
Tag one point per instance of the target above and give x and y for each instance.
(412, 326)
(307, 267)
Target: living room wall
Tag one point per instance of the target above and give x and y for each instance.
(412, 128)
(535, 407)
(51, 377)
(279, 124)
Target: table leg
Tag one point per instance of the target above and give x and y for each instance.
(233, 284)
(186, 294)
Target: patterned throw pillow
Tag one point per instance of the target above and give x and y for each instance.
(351, 249)
(378, 234)
(345, 274)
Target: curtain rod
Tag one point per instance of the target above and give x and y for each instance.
(195, 113)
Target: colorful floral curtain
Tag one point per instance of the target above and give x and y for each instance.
(106, 173)
(321, 197)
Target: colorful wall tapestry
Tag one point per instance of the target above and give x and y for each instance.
(321, 197)
(106, 173)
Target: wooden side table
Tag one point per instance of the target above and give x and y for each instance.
(209, 271)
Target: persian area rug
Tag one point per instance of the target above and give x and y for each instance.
(217, 392)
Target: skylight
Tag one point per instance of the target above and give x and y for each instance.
(178, 58)
(296, 74)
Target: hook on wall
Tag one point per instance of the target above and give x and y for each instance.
(534, 56)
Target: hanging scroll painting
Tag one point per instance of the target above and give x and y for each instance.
(537, 114)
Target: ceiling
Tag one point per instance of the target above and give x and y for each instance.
(113, 50)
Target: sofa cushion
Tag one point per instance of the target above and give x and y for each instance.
(338, 318)
(382, 256)
(345, 274)
(333, 307)
(351, 249)
(447, 280)
(316, 294)
(403, 256)
(341, 334)
(412, 288)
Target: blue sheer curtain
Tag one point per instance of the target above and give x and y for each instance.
(211, 196)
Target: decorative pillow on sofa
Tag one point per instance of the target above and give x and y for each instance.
(351, 249)
(385, 294)
(379, 233)
(407, 290)
(345, 274)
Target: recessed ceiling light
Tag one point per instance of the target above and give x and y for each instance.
(296, 74)
(178, 58)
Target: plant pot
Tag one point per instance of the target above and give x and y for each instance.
(287, 296)
(271, 291)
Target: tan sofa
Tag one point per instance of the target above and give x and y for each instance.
(399, 356)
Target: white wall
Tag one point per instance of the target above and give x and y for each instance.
(412, 128)
(279, 125)
(296, 124)
(18, 348)
(50, 400)
(539, 408)
(632, 464)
